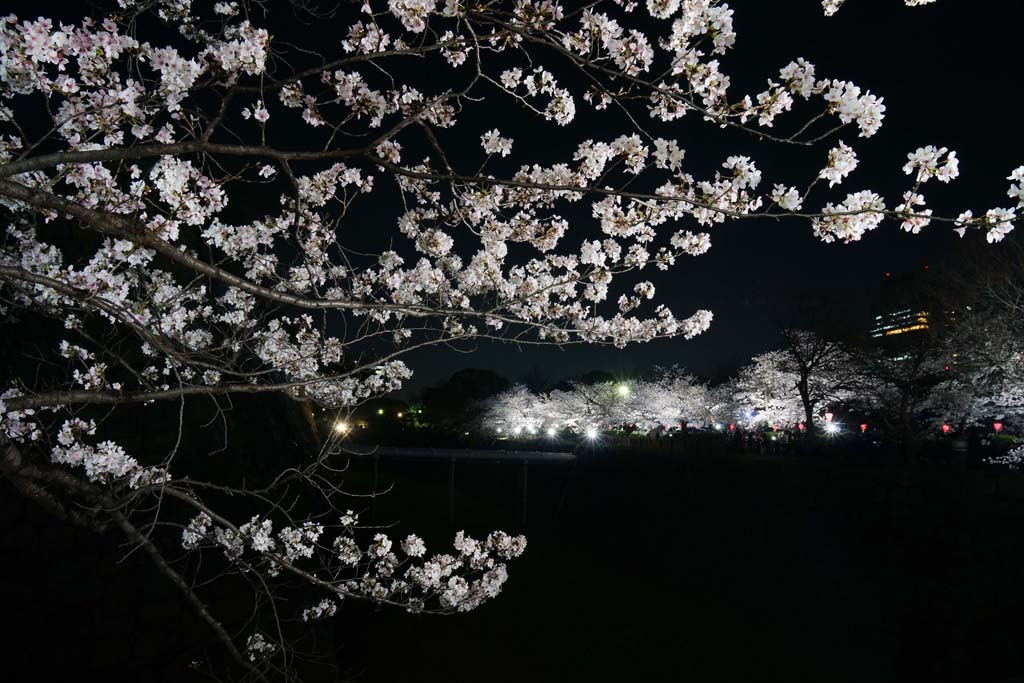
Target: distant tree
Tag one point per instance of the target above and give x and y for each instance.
(593, 406)
(900, 391)
(516, 411)
(823, 369)
(672, 396)
(766, 391)
(985, 359)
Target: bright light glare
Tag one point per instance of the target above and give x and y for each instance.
(591, 433)
(623, 390)
(341, 427)
(551, 431)
(500, 430)
(718, 426)
(831, 427)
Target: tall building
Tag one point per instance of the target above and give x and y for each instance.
(903, 321)
(910, 308)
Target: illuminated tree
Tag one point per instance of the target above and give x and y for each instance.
(766, 391)
(825, 372)
(517, 412)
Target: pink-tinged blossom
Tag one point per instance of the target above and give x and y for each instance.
(916, 218)
(322, 610)
(846, 101)
(1016, 190)
(859, 213)
(413, 546)
(493, 143)
(842, 160)
(412, 13)
(787, 198)
(926, 162)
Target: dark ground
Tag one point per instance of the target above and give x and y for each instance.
(655, 568)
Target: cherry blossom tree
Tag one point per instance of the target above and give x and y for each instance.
(766, 391)
(518, 412)
(669, 398)
(181, 190)
(596, 406)
(672, 397)
(985, 359)
(825, 372)
(907, 392)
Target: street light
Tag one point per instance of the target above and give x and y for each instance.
(623, 390)
(591, 433)
(831, 427)
(551, 431)
(341, 427)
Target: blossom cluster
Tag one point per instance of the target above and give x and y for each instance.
(447, 582)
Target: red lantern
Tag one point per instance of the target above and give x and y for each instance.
(828, 417)
(998, 426)
(800, 426)
(863, 427)
(732, 427)
(945, 428)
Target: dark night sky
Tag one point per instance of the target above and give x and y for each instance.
(948, 73)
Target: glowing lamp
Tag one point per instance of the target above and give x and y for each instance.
(400, 416)
(945, 428)
(551, 431)
(591, 433)
(832, 428)
(997, 426)
(623, 390)
(732, 427)
(829, 416)
(800, 426)
(380, 411)
(341, 427)
(863, 427)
